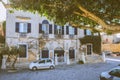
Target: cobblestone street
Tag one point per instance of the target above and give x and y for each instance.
(71, 72)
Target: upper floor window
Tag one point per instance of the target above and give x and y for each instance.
(87, 32)
(23, 27)
(57, 29)
(71, 30)
(45, 27)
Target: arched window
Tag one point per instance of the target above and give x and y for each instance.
(45, 22)
(59, 51)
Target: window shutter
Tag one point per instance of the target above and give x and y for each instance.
(55, 29)
(40, 28)
(67, 29)
(17, 27)
(62, 30)
(29, 28)
(75, 31)
(85, 32)
(50, 28)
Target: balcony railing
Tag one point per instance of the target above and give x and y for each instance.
(23, 35)
(58, 36)
(45, 35)
(71, 36)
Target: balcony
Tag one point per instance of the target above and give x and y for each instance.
(71, 36)
(45, 35)
(23, 35)
(59, 36)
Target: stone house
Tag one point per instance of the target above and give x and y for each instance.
(42, 38)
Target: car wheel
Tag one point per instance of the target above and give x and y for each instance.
(34, 68)
(52, 67)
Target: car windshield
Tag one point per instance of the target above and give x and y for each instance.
(115, 72)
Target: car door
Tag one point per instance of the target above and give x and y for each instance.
(41, 64)
(116, 78)
(48, 63)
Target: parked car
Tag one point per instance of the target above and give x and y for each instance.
(108, 53)
(113, 74)
(116, 53)
(42, 64)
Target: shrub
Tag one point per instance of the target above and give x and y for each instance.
(80, 62)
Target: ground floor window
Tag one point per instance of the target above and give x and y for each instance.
(89, 49)
(45, 53)
(71, 53)
(23, 54)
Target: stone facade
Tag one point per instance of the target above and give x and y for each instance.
(41, 38)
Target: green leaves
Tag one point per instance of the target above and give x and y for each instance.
(62, 11)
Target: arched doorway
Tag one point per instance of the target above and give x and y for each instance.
(45, 53)
(60, 54)
(71, 53)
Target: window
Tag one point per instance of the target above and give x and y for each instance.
(71, 30)
(57, 29)
(45, 53)
(23, 27)
(45, 28)
(23, 54)
(87, 32)
(89, 49)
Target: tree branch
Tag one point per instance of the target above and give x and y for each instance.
(93, 17)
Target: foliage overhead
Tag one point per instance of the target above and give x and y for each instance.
(78, 13)
(94, 40)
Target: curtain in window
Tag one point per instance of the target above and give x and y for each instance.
(71, 30)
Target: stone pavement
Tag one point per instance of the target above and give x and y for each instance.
(89, 71)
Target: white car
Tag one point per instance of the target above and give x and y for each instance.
(42, 64)
(113, 74)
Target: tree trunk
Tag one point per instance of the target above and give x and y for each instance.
(13, 64)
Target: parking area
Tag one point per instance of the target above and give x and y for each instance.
(62, 72)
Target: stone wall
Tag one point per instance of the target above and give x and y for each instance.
(111, 47)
